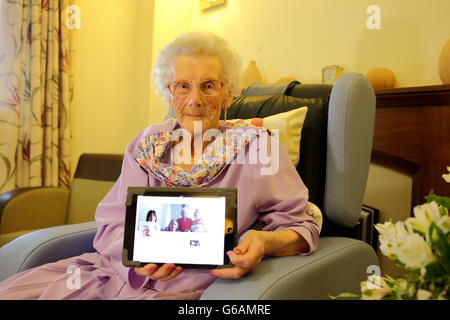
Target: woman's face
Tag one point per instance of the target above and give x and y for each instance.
(152, 217)
(197, 107)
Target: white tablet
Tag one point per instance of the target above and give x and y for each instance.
(189, 227)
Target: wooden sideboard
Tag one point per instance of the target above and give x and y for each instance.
(412, 135)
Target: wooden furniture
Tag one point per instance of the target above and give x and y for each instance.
(412, 135)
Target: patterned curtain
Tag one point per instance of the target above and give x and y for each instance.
(35, 94)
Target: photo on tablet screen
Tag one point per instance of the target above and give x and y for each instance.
(179, 230)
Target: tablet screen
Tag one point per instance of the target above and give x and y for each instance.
(179, 229)
(190, 227)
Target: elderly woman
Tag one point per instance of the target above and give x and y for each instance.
(197, 74)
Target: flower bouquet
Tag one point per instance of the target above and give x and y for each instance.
(421, 245)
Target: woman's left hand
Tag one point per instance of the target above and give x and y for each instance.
(255, 244)
(245, 257)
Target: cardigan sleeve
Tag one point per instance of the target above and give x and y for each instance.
(110, 216)
(281, 198)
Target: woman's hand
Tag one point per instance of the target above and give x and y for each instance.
(164, 273)
(245, 257)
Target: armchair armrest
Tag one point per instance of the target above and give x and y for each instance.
(33, 208)
(338, 265)
(46, 245)
(351, 120)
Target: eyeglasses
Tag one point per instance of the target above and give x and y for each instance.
(209, 88)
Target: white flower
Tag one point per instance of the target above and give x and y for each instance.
(424, 295)
(402, 232)
(423, 216)
(387, 237)
(399, 242)
(391, 236)
(409, 245)
(444, 224)
(369, 291)
(413, 251)
(447, 176)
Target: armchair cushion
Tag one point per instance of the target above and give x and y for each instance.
(286, 125)
(85, 195)
(338, 265)
(94, 177)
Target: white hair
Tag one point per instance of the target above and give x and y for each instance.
(194, 43)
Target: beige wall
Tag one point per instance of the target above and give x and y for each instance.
(111, 78)
(119, 39)
(390, 192)
(298, 37)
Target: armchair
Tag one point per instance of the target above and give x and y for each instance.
(21, 210)
(335, 149)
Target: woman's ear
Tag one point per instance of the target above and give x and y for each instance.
(228, 98)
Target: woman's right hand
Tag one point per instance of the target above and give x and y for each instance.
(166, 272)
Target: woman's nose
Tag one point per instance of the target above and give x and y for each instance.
(196, 97)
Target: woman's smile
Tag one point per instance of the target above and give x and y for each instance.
(195, 115)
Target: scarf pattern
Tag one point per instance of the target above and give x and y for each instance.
(214, 159)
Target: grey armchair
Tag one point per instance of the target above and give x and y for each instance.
(335, 153)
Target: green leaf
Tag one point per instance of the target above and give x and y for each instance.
(344, 295)
(444, 248)
(420, 233)
(8, 170)
(441, 249)
(443, 201)
(398, 263)
(433, 271)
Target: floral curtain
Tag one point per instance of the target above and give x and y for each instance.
(35, 94)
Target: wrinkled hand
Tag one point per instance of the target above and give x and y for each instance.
(245, 257)
(164, 273)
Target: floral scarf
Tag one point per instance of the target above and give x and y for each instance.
(219, 153)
